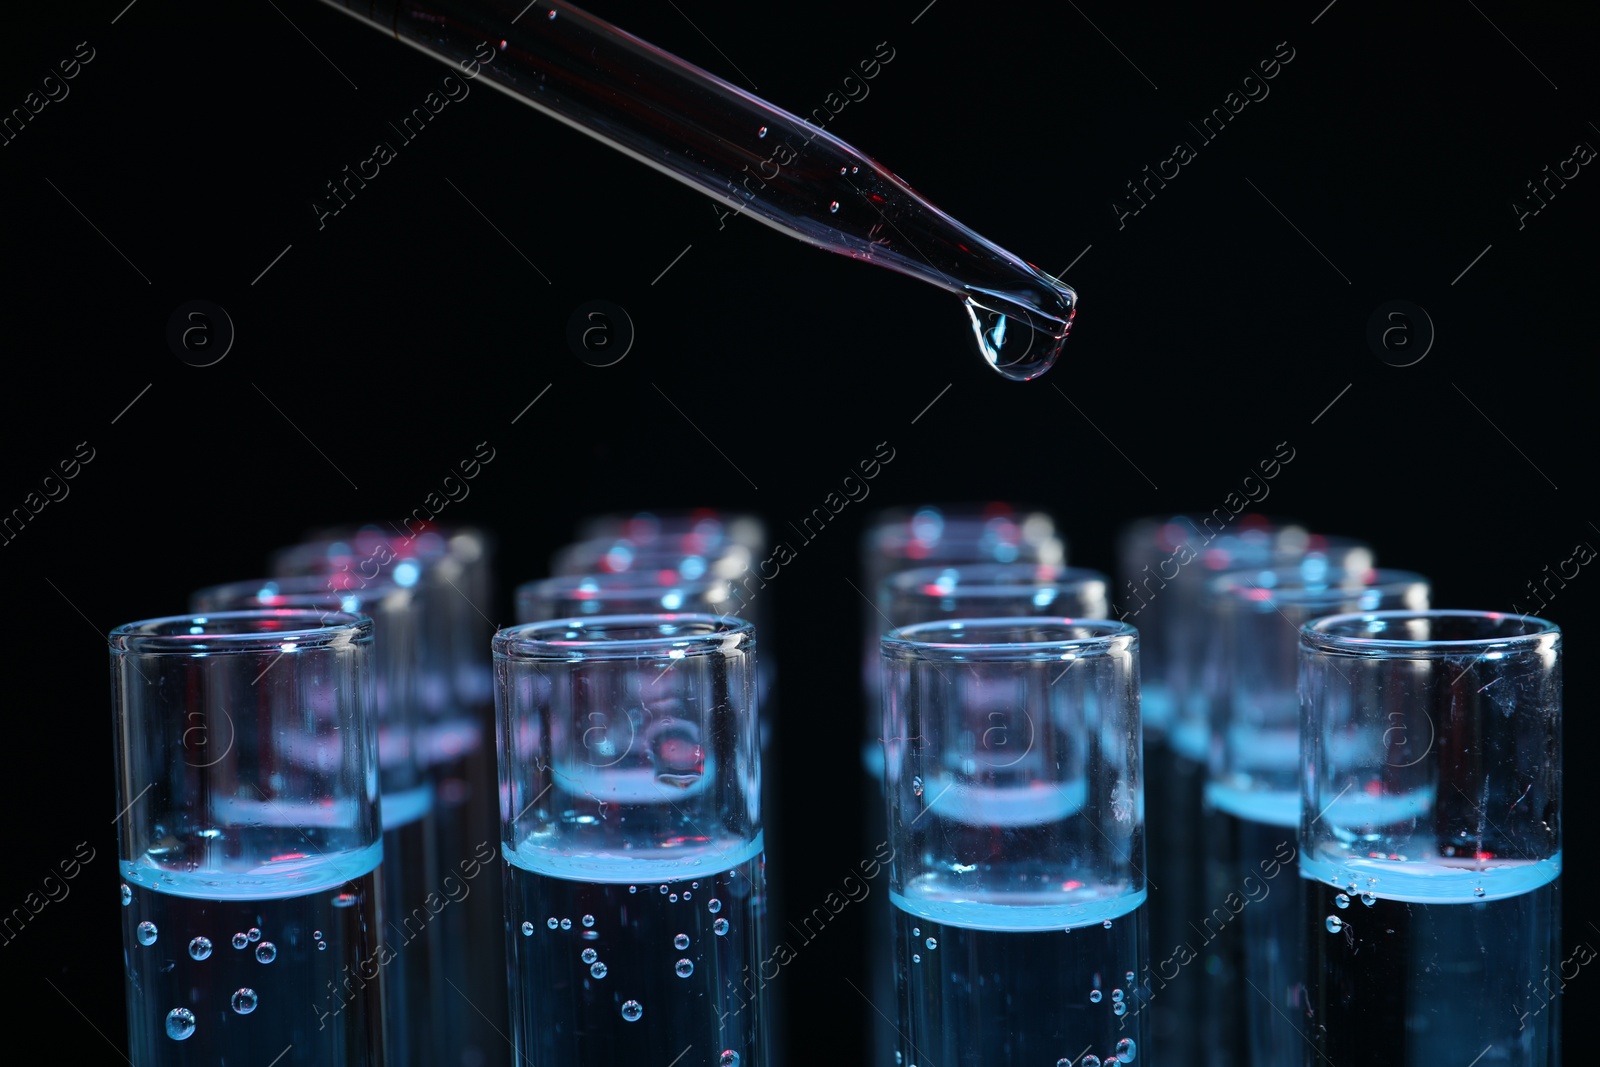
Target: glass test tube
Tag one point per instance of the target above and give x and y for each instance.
(413, 979)
(1016, 812)
(249, 837)
(708, 524)
(644, 593)
(631, 830)
(993, 591)
(1246, 928)
(453, 748)
(1431, 842)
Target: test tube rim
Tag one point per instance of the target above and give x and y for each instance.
(906, 581)
(315, 587)
(306, 629)
(1291, 588)
(721, 635)
(624, 585)
(1112, 638)
(1317, 637)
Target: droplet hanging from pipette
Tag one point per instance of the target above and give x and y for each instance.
(1021, 341)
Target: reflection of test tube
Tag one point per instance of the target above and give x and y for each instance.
(993, 591)
(1432, 840)
(645, 593)
(453, 746)
(1252, 794)
(250, 843)
(413, 981)
(1016, 814)
(631, 830)
(708, 525)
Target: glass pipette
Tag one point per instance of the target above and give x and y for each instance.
(740, 150)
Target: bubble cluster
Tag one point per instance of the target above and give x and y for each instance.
(245, 1000)
(200, 948)
(632, 1010)
(180, 1024)
(146, 933)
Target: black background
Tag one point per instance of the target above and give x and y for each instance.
(405, 332)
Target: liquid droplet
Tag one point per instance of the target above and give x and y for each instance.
(932, 943)
(1021, 338)
(684, 968)
(680, 942)
(527, 929)
(255, 933)
(588, 920)
(590, 955)
(1369, 899)
(180, 1024)
(1094, 996)
(1334, 924)
(566, 924)
(200, 948)
(1116, 996)
(1127, 1050)
(916, 786)
(720, 927)
(241, 939)
(599, 969)
(833, 207)
(632, 1010)
(729, 1058)
(713, 905)
(146, 933)
(266, 952)
(1341, 901)
(245, 1001)
(1119, 1009)
(127, 895)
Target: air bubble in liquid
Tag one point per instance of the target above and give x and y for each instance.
(200, 948)
(673, 897)
(241, 939)
(180, 1024)
(552, 922)
(663, 890)
(1478, 892)
(527, 929)
(680, 942)
(127, 895)
(833, 207)
(316, 935)
(729, 1058)
(1116, 996)
(322, 946)
(1129, 977)
(713, 905)
(1341, 901)
(1369, 899)
(684, 968)
(1107, 924)
(588, 920)
(344, 900)
(146, 933)
(1094, 996)
(632, 1010)
(599, 969)
(245, 1000)
(685, 894)
(1334, 924)
(1118, 1009)
(266, 952)
(916, 957)
(762, 132)
(633, 889)
(254, 933)
(916, 786)
(916, 931)
(1126, 1050)
(1090, 1060)
(720, 927)
(590, 955)
(566, 924)
(932, 943)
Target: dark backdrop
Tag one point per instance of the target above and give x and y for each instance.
(1223, 318)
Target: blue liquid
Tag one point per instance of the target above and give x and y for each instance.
(1418, 982)
(990, 983)
(635, 1001)
(1174, 785)
(470, 931)
(413, 984)
(322, 1001)
(1248, 928)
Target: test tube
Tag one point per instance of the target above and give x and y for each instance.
(708, 524)
(644, 593)
(1247, 927)
(993, 591)
(1431, 843)
(413, 979)
(1016, 814)
(249, 837)
(454, 750)
(632, 834)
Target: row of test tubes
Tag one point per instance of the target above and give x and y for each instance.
(1116, 823)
